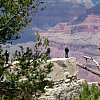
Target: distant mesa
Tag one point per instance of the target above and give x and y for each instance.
(90, 24)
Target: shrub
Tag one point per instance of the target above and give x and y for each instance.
(23, 77)
(89, 92)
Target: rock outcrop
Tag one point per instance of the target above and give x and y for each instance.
(63, 90)
(65, 83)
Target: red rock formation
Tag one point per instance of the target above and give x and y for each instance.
(90, 24)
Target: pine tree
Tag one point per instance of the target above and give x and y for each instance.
(89, 92)
(24, 76)
(15, 15)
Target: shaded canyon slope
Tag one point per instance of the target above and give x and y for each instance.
(58, 11)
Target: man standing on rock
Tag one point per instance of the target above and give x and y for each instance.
(66, 52)
(6, 56)
(48, 53)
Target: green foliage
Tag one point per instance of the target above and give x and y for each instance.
(14, 15)
(89, 92)
(23, 78)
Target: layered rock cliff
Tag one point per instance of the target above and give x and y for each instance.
(90, 24)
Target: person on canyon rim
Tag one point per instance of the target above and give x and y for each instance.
(48, 53)
(66, 52)
(6, 56)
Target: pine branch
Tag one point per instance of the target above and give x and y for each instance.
(5, 25)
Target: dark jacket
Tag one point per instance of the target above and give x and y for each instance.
(66, 50)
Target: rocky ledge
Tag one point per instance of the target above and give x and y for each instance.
(63, 89)
(65, 85)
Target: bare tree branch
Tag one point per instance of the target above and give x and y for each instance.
(97, 64)
(89, 69)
